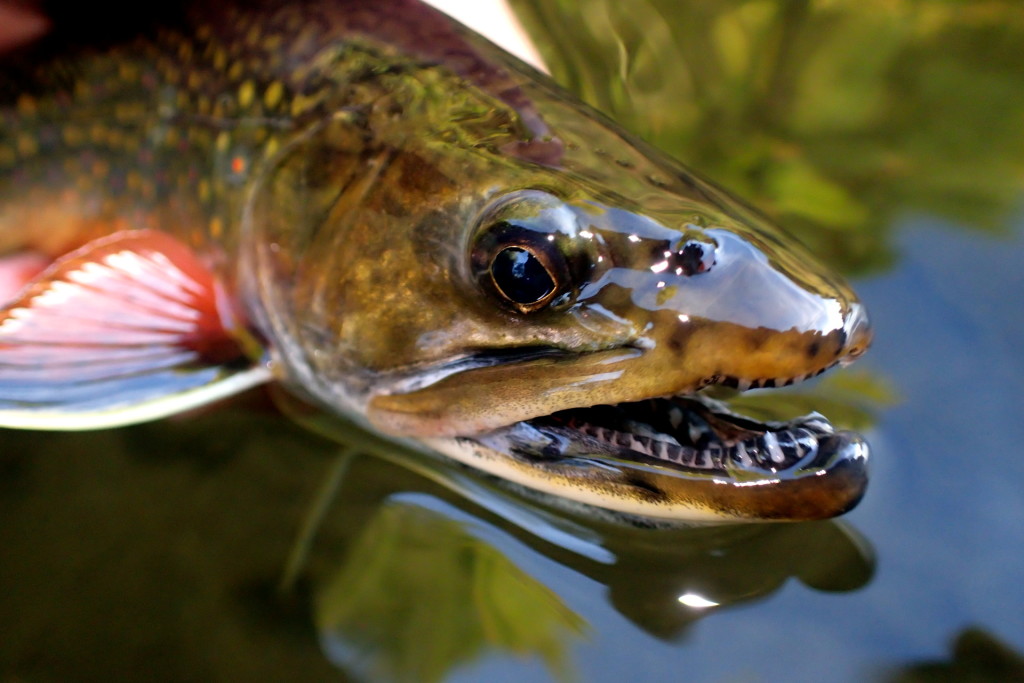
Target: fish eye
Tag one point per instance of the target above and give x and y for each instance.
(521, 252)
(521, 277)
(523, 268)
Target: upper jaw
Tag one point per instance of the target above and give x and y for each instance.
(480, 398)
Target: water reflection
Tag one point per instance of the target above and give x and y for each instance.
(975, 655)
(162, 541)
(418, 565)
(418, 594)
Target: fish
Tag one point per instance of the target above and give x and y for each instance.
(397, 221)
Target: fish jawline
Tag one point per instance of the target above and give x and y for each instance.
(801, 469)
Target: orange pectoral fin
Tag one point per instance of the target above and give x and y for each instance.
(128, 328)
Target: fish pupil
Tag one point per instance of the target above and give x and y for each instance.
(520, 276)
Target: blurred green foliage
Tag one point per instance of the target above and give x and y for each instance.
(419, 595)
(835, 117)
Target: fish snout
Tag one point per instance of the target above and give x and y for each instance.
(858, 333)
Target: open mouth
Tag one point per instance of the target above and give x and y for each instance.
(692, 434)
(681, 457)
(696, 450)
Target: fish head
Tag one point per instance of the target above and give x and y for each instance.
(546, 310)
(581, 303)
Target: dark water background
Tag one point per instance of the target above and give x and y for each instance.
(237, 545)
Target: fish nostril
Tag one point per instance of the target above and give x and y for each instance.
(858, 334)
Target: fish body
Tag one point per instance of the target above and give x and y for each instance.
(396, 219)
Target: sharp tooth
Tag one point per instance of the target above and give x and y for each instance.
(670, 440)
(806, 442)
(819, 424)
(662, 450)
(645, 431)
(741, 456)
(695, 434)
(743, 384)
(787, 444)
(675, 417)
(772, 444)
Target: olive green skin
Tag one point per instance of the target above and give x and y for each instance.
(368, 268)
(337, 162)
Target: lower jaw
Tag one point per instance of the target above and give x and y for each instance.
(751, 472)
(691, 435)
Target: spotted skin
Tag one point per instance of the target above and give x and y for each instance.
(163, 127)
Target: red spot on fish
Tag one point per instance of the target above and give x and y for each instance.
(238, 165)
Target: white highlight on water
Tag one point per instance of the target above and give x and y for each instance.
(695, 601)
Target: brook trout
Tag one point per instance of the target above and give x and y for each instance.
(376, 207)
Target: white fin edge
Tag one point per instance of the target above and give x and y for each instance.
(146, 411)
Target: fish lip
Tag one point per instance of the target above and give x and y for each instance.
(415, 377)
